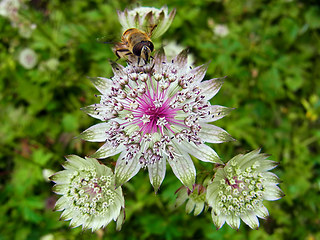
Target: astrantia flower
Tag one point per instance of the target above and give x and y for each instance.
(157, 113)
(145, 18)
(89, 195)
(238, 190)
(195, 198)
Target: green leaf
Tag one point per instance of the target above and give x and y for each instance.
(70, 123)
(41, 157)
(312, 17)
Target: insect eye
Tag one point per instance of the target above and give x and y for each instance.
(137, 49)
(150, 45)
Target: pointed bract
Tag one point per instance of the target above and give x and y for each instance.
(211, 87)
(157, 172)
(126, 169)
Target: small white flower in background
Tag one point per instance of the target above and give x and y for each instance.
(9, 8)
(195, 199)
(238, 190)
(28, 58)
(145, 18)
(49, 65)
(220, 30)
(157, 113)
(89, 197)
(172, 49)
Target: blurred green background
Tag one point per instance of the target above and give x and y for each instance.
(268, 49)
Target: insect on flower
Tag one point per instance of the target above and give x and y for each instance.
(135, 42)
(138, 26)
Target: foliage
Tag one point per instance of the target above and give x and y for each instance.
(271, 58)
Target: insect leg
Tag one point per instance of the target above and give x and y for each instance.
(123, 50)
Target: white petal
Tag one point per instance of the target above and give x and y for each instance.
(199, 72)
(250, 219)
(273, 193)
(182, 166)
(94, 111)
(266, 165)
(210, 87)
(62, 177)
(212, 194)
(233, 221)
(120, 219)
(218, 220)
(198, 208)
(270, 177)
(203, 152)
(60, 189)
(61, 204)
(249, 159)
(123, 19)
(159, 60)
(190, 205)
(118, 69)
(164, 24)
(124, 171)
(89, 223)
(119, 199)
(107, 150)
(261, 211)
(67, 214)
(214, 134)
(96, 133)
(216, 112)
(100, 222)
(101, 169)
(182, 196)
(161, 27)
(157, 171)
(76, 222)
(181, 59)
(102, 84)
(114, 211)
(75, 163)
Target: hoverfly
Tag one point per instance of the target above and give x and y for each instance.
(135, 42)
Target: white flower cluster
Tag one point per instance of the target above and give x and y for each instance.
(89, 197)
(151, 115)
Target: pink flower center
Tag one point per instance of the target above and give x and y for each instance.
(236, 185)
(154, 113)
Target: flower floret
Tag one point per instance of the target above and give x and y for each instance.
(89, 197)
(154, 114)
(239, 189)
